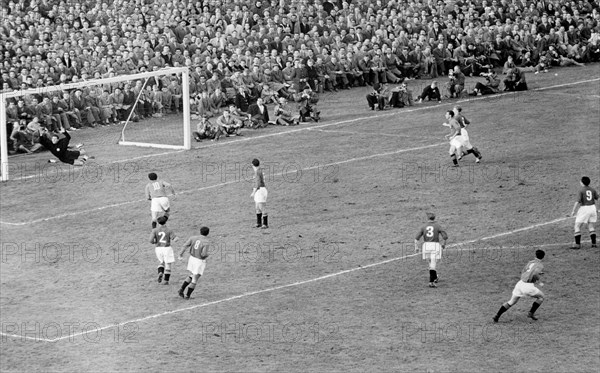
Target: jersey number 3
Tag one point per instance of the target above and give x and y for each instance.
(429, 230)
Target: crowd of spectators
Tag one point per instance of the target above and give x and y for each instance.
(238, 51)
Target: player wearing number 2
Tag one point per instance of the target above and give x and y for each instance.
(198, 249)
(162, 237)
(586, 214)
(530, 275)
(157, 192)
(432, 249)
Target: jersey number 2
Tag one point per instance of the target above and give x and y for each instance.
(162, 237)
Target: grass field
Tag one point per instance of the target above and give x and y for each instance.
(333, 285)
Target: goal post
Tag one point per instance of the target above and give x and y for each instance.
(165, 133)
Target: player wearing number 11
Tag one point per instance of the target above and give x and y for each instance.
(157, 192)
(432, 249)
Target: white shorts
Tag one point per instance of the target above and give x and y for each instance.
(196, 266)
(432, 249)
(456, 142)
(525, 288)
(465, 139)
(586, 214)
(165, 254)
(160, 204)
(260, 196)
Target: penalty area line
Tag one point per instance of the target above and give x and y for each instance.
(298, 283)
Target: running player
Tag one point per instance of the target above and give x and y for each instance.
(454, 137)
(586, 214)
(162, 237)
(259, 193)
(466, 143)
(530, 275)
(197, 246)
(432, 249)
(157, 192)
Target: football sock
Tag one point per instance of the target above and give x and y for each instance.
(432, 275)
(476, 152)
(161, 269)
(453, 157)
(153, 224)
(259, 219)
(503, 309)
(593, 237)
(577, 239)
(265, 220)
(185, 283)
(191, 289)
(534, 307)
(167, 274)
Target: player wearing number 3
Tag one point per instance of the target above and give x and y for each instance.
(530, 275)
(198, 249)
(157, 192)
(432, 249)
(162, 237)
(587, 212)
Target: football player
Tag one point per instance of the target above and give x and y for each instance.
(586, 212)
(454, 136)
(162, 237)
(530, 275)
(60, 148)
(259, 193)
(466, 148)
(432, 249)
(157, 192)
(197, 246)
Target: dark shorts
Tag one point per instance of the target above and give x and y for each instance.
(70, 156)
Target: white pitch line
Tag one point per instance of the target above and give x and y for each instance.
(366, 133)
(298, 283)
(218, 185)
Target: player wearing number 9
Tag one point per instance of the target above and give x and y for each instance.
(432, 249)
(587, 213)
(162, 237)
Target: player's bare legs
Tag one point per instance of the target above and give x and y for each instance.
(190, 282)
(154, 217)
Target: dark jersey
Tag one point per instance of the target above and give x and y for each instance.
(259, 178)
(587, 196)
(431, 232)
(198, 246)
(531, 272)
(162, 236)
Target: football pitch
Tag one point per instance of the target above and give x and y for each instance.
(333, 285)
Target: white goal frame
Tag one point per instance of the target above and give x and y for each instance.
(185, 86)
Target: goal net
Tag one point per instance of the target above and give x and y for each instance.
(149, 109)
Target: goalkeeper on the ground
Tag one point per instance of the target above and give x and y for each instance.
(59, 147)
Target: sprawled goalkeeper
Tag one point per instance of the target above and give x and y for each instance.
(59, 147)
